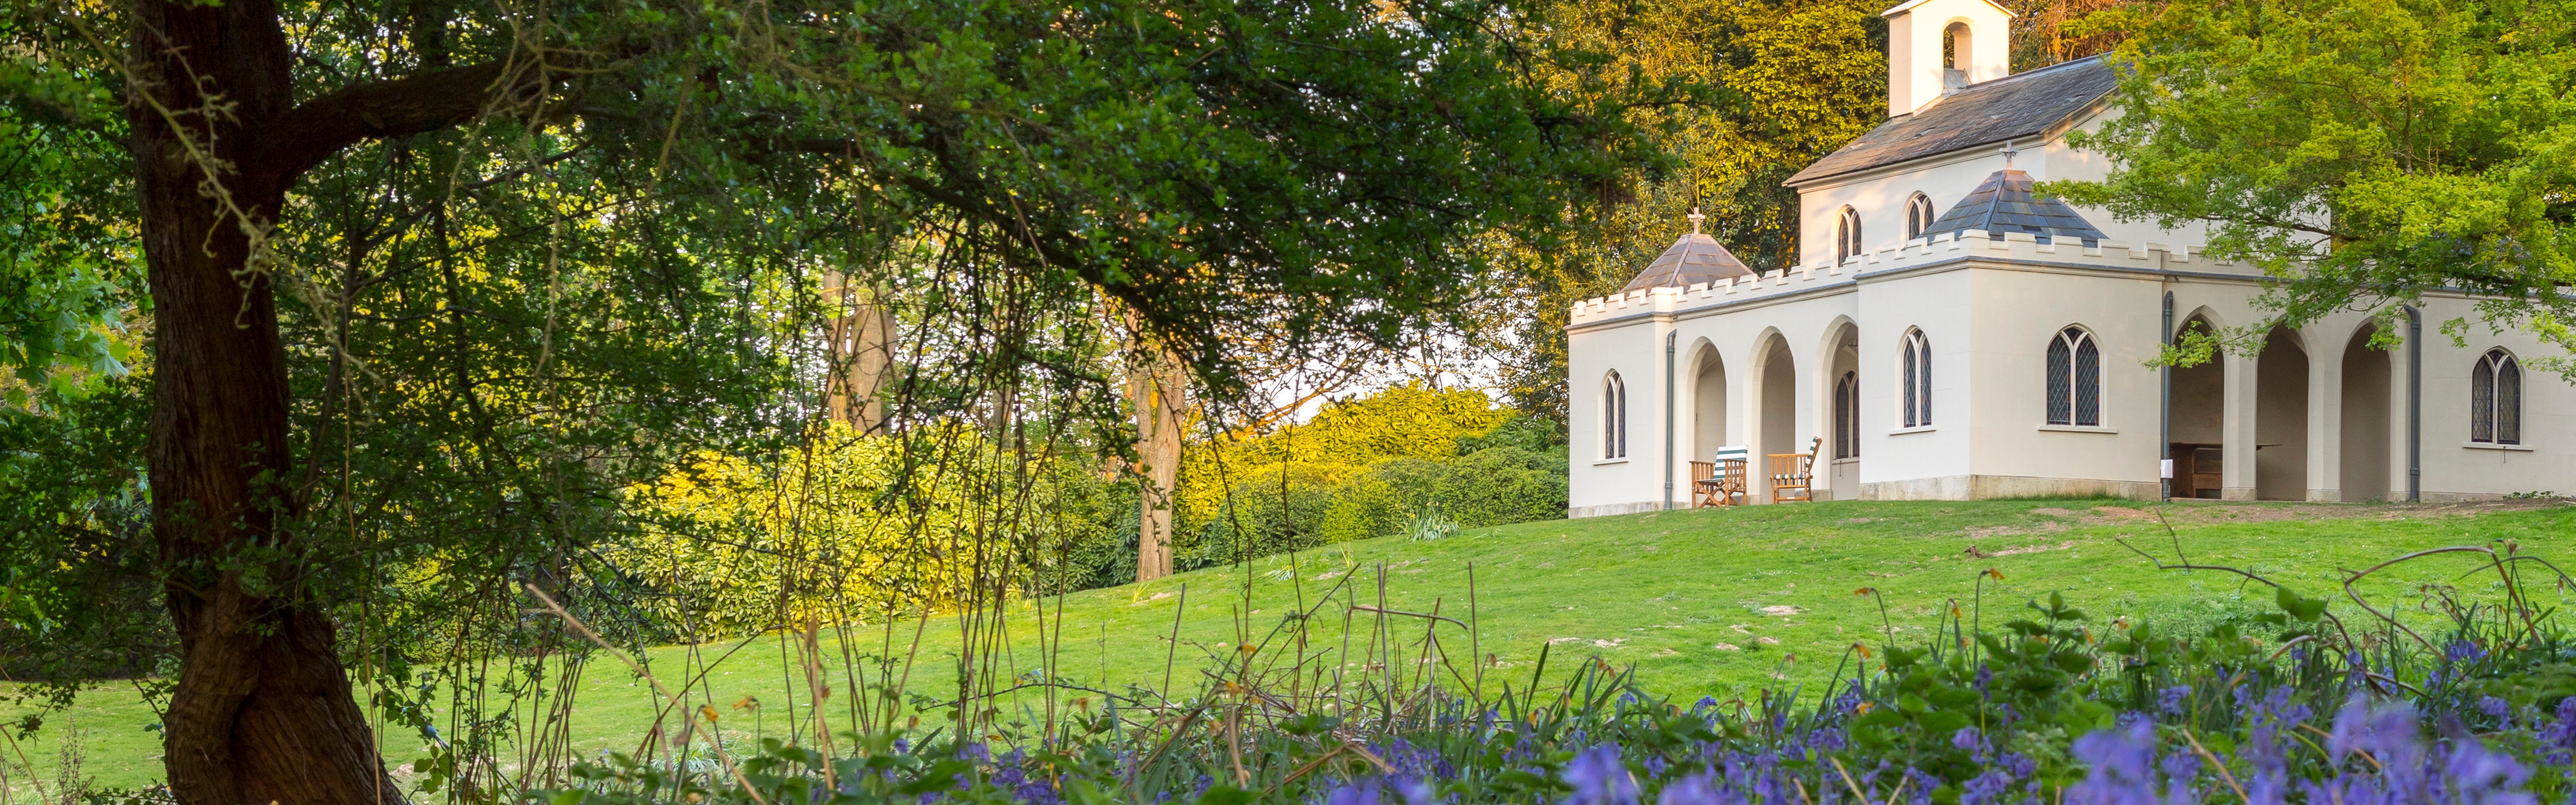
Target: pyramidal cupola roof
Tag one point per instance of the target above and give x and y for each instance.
(2005, 203)
(1694, 259)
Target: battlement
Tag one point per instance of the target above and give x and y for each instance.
(2014, 247)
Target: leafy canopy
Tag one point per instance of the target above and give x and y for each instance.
(2365, 151)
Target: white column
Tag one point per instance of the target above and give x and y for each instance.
(2238, 429)
(2325, 418)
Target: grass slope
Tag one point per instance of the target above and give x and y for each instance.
(1711, 602)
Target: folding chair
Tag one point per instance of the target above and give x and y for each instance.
(1720, 482)
(1793, 475)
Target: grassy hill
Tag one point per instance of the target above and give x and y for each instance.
(1711, 602)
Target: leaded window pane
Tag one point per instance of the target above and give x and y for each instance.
(2059, 377)
(2088, 382)
(1910, 420)
(2508, 402)
(2482, 381)
(1923, 353)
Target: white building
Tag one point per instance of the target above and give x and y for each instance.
(1949, 336)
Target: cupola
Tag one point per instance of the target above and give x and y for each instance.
(1694, 259)
(1935, 47)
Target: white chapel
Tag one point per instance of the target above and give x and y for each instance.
(1949, 335)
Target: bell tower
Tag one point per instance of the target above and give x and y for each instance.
(1936, 47)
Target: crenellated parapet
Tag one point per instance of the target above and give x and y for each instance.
(1973, 244)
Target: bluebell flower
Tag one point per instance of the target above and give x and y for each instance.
(1700, 789)
(2170, 700)
(2123, 767)
(1598, 778)
(2494, 707)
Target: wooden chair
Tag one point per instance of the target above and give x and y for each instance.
(1793, 475)
(1720, 482)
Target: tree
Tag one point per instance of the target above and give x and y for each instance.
(532, 256)
(1761, 89)
(2363, 152)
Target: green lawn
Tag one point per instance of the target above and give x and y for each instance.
(1714, 602)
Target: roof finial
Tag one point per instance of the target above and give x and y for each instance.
(1695, 218)
(2009, 153)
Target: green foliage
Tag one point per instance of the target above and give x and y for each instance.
(2365, 151)
(1402, 461)
(1772, 86)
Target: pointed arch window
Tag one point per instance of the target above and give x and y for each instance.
(1614, 418)
(2495, 399)
(1846, 235)
(1918, 215)
(2074, 379)
(1916, 372)
(1847, 416)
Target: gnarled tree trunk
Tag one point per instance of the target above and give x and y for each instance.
(263, 710)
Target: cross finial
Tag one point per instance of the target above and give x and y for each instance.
(2009, 152)
(1695, 218)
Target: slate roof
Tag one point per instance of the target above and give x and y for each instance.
(2003, 203)
(2022, 105)
(1694, 259)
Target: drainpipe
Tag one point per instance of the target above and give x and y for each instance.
(1668, 417)
(2414, 404)
(2164, 416)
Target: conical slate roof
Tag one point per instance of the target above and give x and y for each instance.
(2004, 203)
(1694, 259)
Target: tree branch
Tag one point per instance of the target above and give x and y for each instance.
(428, 101)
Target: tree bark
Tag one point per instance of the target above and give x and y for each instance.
(263, 711)
(1158, 394)
(862, 353)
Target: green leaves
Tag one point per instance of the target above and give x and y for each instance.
(2365, 150)
(2298, 606)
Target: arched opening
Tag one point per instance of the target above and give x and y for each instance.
(1846, 235)
(1918, 216)
(1779, 430)
(2074, 379)
(1914, 380)
(2365, 420)
(2199, 416)
(1708, 404)
(1958, 48)
(1614, 417)
(1844, 442)
(2281, 418)
(2495, 399)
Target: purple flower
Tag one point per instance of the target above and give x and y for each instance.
(2494, 707)
(2170, 700)
(1598, 778)
(1353, 793)
(2560, 738)
(1700, 789)
(1967, 739)
(2123, 767)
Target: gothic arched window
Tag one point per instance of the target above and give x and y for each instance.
(2495, 399)
(2074, 379)
(1846, 235)
(1917, 374)
(1918, 215)
(1847, 416)
(1614, 418)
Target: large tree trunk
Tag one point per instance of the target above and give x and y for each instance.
(263, 711)
(1158, 395)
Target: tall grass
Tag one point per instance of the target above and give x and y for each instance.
(2459, 696)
